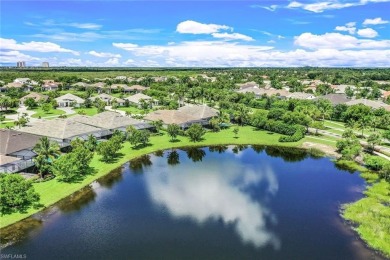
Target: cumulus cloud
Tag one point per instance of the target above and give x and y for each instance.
(11, 44)
(232, 36)
(112, 62)
(104, 54)
(375, 21)
(320, 50)
(339, 41)
(193, 27)
(368, 33)
(7, 57)
(349, 27)
(320, 7)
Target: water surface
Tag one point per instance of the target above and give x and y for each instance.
(202, 203)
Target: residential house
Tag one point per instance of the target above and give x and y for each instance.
(340, 89)
(37, 97)
(137, 88)
(301, 95)
(16, 150)
(336, 99)
(184, 116)
(50, 85)
(371, 103)
(62, 131)
(136, 99)
(265, 91)
(386, 95)
(108, 99)
(99, 86)
(111, 121)
(69, 100)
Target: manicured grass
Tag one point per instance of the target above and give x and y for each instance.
(372, 216)
(53, 190)
(88, 111)
(40, 113)
(133, 110)
(4, 125)
(321, 140)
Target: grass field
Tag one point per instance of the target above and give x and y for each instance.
(4, 125)
(88, 111)
(52, 112)
(53, 190)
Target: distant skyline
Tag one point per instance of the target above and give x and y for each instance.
(331, 33)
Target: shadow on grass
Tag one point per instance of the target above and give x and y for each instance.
(141, 146)
(174, 140)
(22, 209)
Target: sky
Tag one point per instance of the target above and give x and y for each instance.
(324, 33)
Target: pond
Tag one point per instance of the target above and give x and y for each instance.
(225, 202)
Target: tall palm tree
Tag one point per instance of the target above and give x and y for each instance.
(46, 152)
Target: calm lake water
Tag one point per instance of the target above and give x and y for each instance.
(202, 203)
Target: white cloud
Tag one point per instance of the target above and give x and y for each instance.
(232, 36)
(320, 7)
(11, 44)
(271, 8)
(12, 57)
(112, 62)
(104, 54)
(193, 27)
(368, 33)
(90, 26)
(338, 41)
(375, 21)
(349, 27)
(321, 50)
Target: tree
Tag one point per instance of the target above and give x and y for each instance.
(173, 131)
(144, 137)
(235, 131)
(22, 121)
(46, 152)
(317, 125)
(349, 92)
(158, 124)
(364, 123)
(46, 107)
(108, 150)
(2, 118)
(195, 132)
(30, 103)
(91, 143)
(372, 140)
(241, 114)
(16, 194)
(349, 146)
(214, 123)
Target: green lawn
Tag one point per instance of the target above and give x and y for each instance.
(88, 111)
(53, 190)
(133, 110)
(40, 113)
(4, 125)
(321, 140)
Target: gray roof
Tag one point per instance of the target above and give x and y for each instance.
(370, 103)
(59, 128)
(109, 120)
(106, 97)
(12, 141)
(136, 98)
(7, 159)
(183, 115)
(36, 96)
(336, 99)
(70, 97)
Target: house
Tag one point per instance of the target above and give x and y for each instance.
(69, 100)
(22, 80)
(62, 131)
(265, 91)
(120, 77)
(336, 99)
(82, 85)
(111, 121)
(301, 95)
(371, 103)
(251, 84)
(386, 95)
(184, 116)
(137, 88)
(50, 86)
(136, 99)
(99, 86)
(340, 89)
(16, 150)
(108, 99)
(37, 97)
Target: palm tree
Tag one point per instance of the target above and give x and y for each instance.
(46, 152)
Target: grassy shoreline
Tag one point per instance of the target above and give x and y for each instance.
(53, 191)
(363, 221)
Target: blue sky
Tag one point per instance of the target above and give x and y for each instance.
(196, 33)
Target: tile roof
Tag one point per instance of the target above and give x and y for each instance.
(12, 141)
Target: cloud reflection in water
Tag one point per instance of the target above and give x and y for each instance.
(212, 191)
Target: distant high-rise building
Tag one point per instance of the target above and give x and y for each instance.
(45, 64)
(21, 64)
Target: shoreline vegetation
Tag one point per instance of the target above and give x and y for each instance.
(363, 214)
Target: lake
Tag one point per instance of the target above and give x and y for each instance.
(225, 202)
